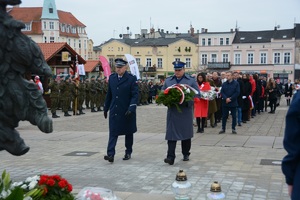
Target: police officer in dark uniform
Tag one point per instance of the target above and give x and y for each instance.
(180, 124)
(121, 102)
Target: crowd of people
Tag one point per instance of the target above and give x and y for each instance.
(239, 95)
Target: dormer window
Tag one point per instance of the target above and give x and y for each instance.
(259, 38)
(242, 38)
(284, 36)
(50, 10)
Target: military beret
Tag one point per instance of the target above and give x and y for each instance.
(120, 62)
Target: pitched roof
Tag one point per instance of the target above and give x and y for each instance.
(152, 41)
(91, 64)
(51, 49)
(262, 36)
(33, 15)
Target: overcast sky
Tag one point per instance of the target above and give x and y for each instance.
(107, 19)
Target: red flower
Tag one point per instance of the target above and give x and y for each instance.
(50, 182)
(56, 177)
(166, 91)
(43, 179)
(69, 188)
(63, 183)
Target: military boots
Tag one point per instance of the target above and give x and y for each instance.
(54, 115)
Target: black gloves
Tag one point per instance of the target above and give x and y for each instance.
(105, 114)
(128, 113)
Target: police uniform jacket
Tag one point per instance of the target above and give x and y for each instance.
(291, 142)
(180, 124)
(122, 96)
(230, 90)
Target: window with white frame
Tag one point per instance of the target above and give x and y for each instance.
(225, 57)
(276, 58)
(45, 25)
(111, 62)
(74, 43)
(213, 57)
(62, 28)
(204, 59)
(250, 58)
(148, 62)
(221, 41)
(51, 39)
(237, 58)
(74, 30)
(227, 41)
(68, 29)
(84, 43)
(287, 58)
(79, 44)
(203, 41)
(159, 63)
(51, 25)
(138, 61)
(188, 62)
(177, 59)
(263, 58)
(27, 27)
(209, 41)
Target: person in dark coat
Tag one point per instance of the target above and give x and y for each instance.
(246, 91)
(121, 102)
(288, 92)
(179, 124)
(291, 142)
(229, 93)
(272, 90)
(238, 78)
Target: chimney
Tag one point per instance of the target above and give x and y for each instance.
(206, 30)
(202, 30)
(231, 30)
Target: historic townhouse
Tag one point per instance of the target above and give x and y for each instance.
(155, 52)
(297, 51)
(270, 52)
(48, 25)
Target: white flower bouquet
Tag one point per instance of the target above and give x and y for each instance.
(209, 94)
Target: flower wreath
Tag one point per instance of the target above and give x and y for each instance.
(176, 95)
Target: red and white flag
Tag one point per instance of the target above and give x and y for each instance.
(105, 66)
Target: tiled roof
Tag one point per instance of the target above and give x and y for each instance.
(90, 65)
(51, 49)
(262, 36)
(33, 15)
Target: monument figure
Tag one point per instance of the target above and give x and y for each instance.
(20, 99)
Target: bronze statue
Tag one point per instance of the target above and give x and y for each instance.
(20, 99)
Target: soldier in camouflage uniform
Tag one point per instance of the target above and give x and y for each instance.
(98, 94)
(65, 92)
(74, 95)
(54, 96)
(81, 96)
(140, 93)
(145, 93)
(87, 94)
(103, 93)
(93, 93)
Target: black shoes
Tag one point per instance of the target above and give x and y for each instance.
(109, 158)
(186, 158)
(234, 131)
(169, 161)
(222, 131)
(127, 157)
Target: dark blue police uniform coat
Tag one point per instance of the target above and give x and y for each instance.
(180, 124)
(122, 95)
(291, 143)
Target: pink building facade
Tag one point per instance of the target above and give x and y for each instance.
(270, 53)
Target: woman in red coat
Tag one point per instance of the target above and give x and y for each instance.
(201, 105)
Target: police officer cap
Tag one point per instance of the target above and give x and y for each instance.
(120, 62)
(178, 64)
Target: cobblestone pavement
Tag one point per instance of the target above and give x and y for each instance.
(245, 164)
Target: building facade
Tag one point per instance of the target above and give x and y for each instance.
(48, 25)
